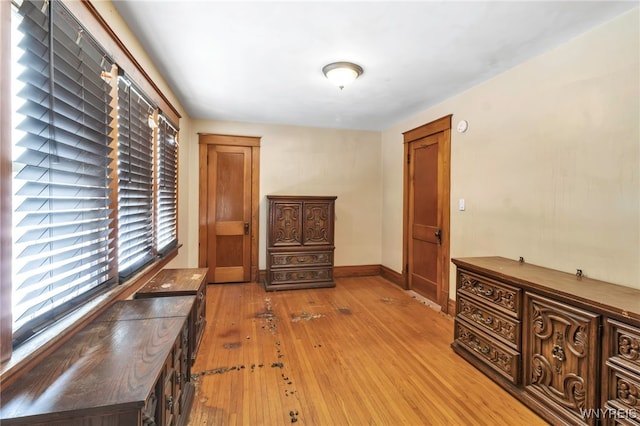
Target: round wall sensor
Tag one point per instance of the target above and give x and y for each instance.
(463, 126)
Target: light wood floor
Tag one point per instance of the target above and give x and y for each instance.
(363, 353)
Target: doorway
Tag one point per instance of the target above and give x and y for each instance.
(427, 207)
(229, 207)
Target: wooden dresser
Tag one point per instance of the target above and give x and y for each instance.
(127, 367)
(300, 242)
(183, 282)
(566, 346)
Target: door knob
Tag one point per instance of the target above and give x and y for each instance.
(438, 235)
(246, 228)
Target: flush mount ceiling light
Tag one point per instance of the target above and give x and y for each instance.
(342, 73)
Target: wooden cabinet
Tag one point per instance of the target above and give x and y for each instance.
(300, 242)
(125, 368)
(567, 347)
(183, 282)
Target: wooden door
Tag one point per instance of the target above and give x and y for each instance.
(427, 211)
(228, 208)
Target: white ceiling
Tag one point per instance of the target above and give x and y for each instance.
(262, 61)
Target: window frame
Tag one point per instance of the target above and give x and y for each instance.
(34, 350)
(5, 182)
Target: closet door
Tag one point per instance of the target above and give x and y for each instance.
(229, 207)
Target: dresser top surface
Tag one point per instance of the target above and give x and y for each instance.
(175, 281)
(621, 300)
(107, 364)
(148, 308)
(302, 197)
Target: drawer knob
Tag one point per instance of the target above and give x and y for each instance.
(488, 320)
(558, 354)
(478, 347)
(489, 292)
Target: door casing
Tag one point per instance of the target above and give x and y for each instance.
(444, 189)
(204, 140)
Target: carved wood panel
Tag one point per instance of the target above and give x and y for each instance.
(318, 223)
(301, 275)
(624, 344)
(497, 325)
(295, 259)
(286, 224)
(625, 389)
(621, 391)
(561, 355)
(505, 361)
(502, 296)
(619, 415)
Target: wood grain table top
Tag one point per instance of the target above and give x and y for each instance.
(175, 282)
(159, 307)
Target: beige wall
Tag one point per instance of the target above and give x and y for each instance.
(549, 167)
(303, 161)
(294, 160)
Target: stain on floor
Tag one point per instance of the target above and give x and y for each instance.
(305, 316)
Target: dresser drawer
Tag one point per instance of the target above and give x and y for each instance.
(502, 327)
(623, 344)
(499, 357)
(495, 294)
(623, 388)
(619, 415)
(293, 260)
(306, 275)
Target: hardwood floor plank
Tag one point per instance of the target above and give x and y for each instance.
(362, 353)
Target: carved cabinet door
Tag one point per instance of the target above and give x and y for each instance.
(318, 223)
(561, 357)
(286, 223)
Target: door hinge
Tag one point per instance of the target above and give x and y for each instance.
(409, 158)
(406, 268)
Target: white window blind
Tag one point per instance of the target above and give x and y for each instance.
(135, 179)
(62, 226)
(167, 195)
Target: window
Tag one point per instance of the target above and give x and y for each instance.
(62, 226)
(167, 195)
(135, 178)
(94, 180)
